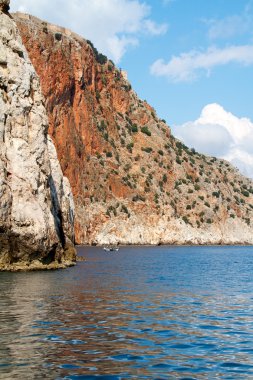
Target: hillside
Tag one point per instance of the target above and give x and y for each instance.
(132, 181)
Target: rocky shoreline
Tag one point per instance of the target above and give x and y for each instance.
(35, 266)
(173, 232)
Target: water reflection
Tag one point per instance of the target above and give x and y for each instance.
(116, 319)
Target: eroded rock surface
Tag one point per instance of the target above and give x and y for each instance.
(36, 205)
(132, 181)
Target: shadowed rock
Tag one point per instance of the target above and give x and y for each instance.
(4, 5)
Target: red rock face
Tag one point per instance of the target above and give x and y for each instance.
(115, 167)
(80, 95)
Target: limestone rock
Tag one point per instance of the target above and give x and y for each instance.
(132, 181)
(36, 205)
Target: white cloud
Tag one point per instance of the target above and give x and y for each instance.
(232, 25)
(229, 27)
(112, 25)
(153, 28)
(118, 46)
(219, 133)
(166, 2)
(188, 66)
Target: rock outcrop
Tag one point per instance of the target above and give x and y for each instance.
(132, 181)
(36, 205)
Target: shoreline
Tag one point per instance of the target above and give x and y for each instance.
(35, 266)
(39, 266)
(166, 245)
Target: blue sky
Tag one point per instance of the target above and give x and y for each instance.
(191, 26)
(192, 60)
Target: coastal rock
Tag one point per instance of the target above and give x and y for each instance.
(132, 181)
(36, 205)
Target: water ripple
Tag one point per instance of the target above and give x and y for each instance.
(148, 313)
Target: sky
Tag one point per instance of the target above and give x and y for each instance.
(192, 60)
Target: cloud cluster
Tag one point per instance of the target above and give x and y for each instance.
(188, 66)
(232, 25)
(229, 26)
(219, 133)
(112, 25)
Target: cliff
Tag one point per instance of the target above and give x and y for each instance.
(132, 181)
(36, 205)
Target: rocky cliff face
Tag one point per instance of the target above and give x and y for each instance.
(133, 182)
(36, 206)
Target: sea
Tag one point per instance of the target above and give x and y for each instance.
(164, 312)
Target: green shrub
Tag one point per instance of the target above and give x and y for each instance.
(97, 95)
(130, 147)
(58, 36)
(134, 128)
(146, 131)
(110, 67)
(247, 220)
(186, 220)
(127, 87)
(147, 149)
(124, 209)
(102, 126)
(137, 198)
(100, 58)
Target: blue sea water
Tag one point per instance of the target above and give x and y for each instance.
(142, 313)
